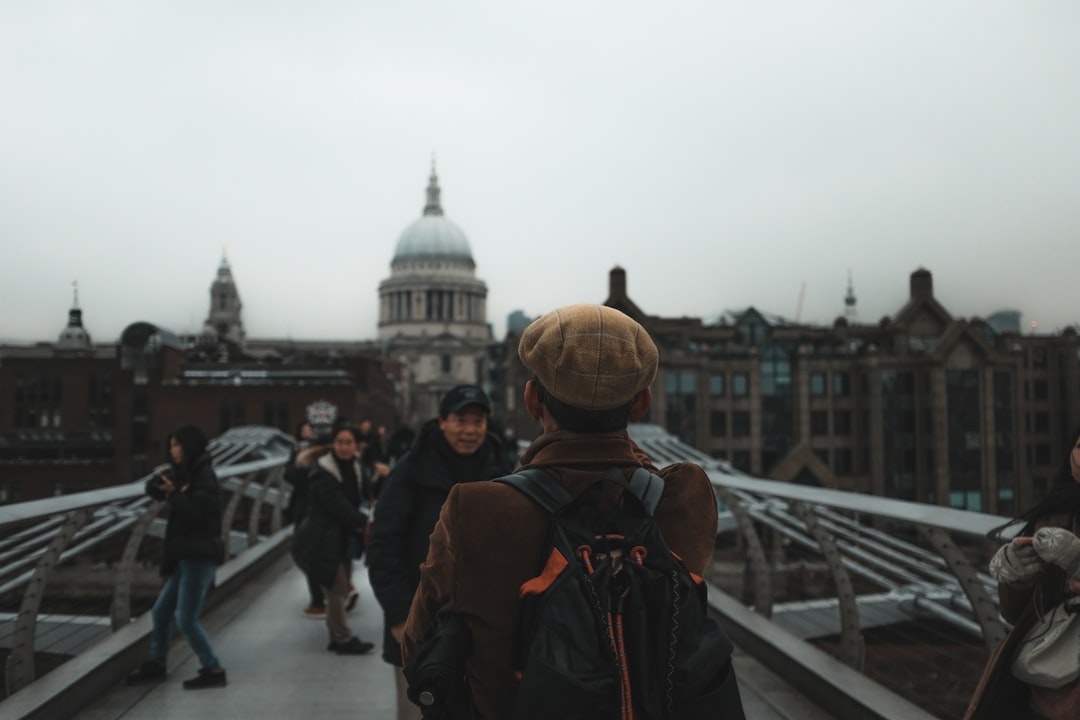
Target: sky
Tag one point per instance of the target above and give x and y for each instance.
(725, 154)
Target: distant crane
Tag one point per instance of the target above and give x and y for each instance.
(798, 305)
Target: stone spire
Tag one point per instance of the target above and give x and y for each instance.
(434, 206)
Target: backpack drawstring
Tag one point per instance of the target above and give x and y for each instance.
(626, 701)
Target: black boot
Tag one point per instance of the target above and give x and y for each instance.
(354, 646)
(148, 672)
(206, 679)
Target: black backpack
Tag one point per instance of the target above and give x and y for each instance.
(614, 625)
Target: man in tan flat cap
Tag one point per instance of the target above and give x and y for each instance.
(592, 367)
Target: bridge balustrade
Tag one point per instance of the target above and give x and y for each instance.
(872, 607)
(894, 591)
(74, 569)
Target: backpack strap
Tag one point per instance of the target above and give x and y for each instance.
(549, 493)
(642, 484)
(540, 487)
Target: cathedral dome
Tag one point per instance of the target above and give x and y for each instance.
(433, 236)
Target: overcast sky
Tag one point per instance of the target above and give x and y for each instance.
(725, 154)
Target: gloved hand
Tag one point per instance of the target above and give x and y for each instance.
(1060, 547)
(1015, 561)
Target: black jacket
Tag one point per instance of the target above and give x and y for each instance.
(321, 540)
(193, 530)
(405, 515)
(297, 477)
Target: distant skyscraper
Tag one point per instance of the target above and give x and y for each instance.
(1005, 321)
(517, 321)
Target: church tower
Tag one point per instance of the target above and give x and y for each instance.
(74, 336)
(224, 319)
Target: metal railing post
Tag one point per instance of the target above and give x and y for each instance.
(852, 646)
(120, 610)
(760, 577)
(20, 663)
(269, 479)
(986, 612)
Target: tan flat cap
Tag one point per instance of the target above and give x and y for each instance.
(591, 357)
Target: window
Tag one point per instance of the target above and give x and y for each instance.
(716, 385)
(741, 460)
(842, 422)
(842, 461)
(841, 384)
(1042, 454)
(1042, 422)
(681, 392)
(1041, 390)
(740, 423)
(447, 363)
(817, 384)
(740, 384)
(819, 422)
(718, 423)
(681, 382)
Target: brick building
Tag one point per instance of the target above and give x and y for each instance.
(76, 415)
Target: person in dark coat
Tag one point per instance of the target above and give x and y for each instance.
(453, 448)
(1037, 571)
(193, 549)
(592, 368)
(399, 443)
(297, 477)
(323, 543)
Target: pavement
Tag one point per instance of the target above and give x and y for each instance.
(278, 666)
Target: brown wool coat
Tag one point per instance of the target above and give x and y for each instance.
(489, 538)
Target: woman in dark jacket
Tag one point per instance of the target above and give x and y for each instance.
(1036, 571)
(297, 476)
(193, 550)
(452, 448)
(322, 544)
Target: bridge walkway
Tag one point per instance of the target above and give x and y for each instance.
(279, 667)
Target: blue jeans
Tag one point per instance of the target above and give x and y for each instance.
(182, 598)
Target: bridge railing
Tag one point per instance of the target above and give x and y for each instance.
(74, 569)
(874, 608)
(859, 586)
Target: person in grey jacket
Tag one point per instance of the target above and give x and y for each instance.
(323, 544)
(193, 550)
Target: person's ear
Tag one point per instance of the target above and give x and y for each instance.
(642, 401)
(532, 401)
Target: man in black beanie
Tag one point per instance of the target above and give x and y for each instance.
(453, 448)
